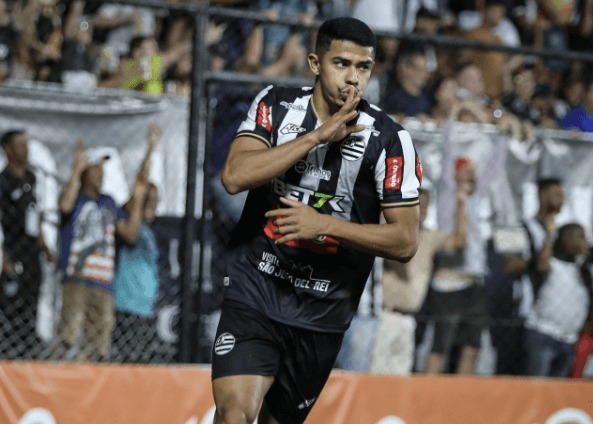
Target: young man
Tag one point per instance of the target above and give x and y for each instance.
(321, 165)
(21, 273)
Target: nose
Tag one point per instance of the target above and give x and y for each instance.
(353, 76)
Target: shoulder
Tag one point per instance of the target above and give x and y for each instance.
(379, 116)
(285, 95)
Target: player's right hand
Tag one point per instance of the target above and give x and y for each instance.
(336, 127)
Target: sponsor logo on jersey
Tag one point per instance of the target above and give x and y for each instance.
(264, 116)
(307, 403)
(304, 167)
(293, 106)
(419, 173)
(393, 175)
(307, 196)
(292, 129)
(352, 148)
(323, 245)
(372, 129)
(224, 344)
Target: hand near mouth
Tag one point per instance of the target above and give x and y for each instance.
(336, 128)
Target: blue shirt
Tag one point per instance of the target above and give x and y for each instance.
(87, 241)
(136, 280)
(398, 100)
(578, 118)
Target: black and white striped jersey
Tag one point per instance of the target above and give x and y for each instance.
(317, 284)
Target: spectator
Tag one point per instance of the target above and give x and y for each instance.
(583, 39)
(428, 22)
(137, 276)
(8, 37)
(407, 95)
(519, 86)
(90, 222)
(277, 50)
(22, 248)
(39, 39)
(119, 24)
(570, 96)
(446, 105)
(472, 88)
(398, 17)
(457, 295)
(581, 117)
(539, 231)
(145, 68)
(404, 290)
(583, 363)
(79, 55)
(490, 62)
(562, 304)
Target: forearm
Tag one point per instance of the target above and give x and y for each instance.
(69, 194)
(129, 229)
(542, 263)
(250, 165)
(460, 235)
(392, 241)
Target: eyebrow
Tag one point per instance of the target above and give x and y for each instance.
(343, 59)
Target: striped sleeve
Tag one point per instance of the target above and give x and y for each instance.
(402, 173)
(258, 123)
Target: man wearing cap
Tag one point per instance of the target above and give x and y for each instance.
(90, 220)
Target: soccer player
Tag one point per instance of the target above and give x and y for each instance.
(321, 165)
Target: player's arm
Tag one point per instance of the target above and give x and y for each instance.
(396, 239)
(251, 163)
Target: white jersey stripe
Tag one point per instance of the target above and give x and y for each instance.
(410, 182)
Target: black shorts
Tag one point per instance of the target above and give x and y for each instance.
(460, 317)
(249, 343)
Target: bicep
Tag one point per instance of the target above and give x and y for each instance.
(405, 218)
(243, 145)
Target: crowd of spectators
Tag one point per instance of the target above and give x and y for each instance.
(83, 45)
(88, 44)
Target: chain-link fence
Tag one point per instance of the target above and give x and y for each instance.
(196, 134)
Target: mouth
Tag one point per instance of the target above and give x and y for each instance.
(344, 92)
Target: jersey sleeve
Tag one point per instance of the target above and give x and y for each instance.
(400, 174)
(258, 123)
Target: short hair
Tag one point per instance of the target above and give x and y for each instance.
(564, 232)
(545, 183)
(344, 28)
(8, 136)
(136, 42)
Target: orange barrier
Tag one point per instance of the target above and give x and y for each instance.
(48, 393)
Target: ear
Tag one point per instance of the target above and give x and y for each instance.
(313, 63)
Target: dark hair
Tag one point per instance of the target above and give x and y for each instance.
(345, 28)
(7, 137)
(565, 232)
(136, 42)
(545, 183)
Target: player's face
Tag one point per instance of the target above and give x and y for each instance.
(345, 65)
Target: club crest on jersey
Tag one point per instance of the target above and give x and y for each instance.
(224, 344)
(393, 173)
(264, 116)
(352, 148)
(292, 129)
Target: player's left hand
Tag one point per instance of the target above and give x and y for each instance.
(298, 221)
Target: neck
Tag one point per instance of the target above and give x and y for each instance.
(320, 106)
(411, 89)
(90, 192)
(17, 169)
